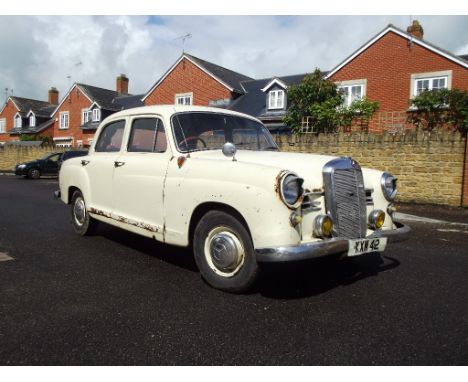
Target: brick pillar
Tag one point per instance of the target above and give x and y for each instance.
(465, 175)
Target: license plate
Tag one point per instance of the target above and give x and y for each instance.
(360, 246)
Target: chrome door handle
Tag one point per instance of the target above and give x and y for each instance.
(84, 162)
(118, 164)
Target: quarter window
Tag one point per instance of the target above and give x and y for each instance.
(64, 120)
(110, 139)
(147, 136)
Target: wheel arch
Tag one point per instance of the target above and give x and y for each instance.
(204, 208)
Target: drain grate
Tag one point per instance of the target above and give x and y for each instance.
(4, 256)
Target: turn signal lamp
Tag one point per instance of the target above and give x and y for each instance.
(376, 219)
(323, 226)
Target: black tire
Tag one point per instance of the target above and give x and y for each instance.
(83, 224)
(224, 252)
(34, 173)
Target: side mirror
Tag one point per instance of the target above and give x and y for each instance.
(229, 150)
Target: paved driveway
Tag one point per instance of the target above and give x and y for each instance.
(117, 298)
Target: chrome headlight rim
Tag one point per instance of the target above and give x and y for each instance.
(389, 192)
(287, 178)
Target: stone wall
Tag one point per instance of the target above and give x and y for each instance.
(429, 167)
(11, 155)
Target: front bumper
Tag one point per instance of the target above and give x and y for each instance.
(21, 171)
(325, 248)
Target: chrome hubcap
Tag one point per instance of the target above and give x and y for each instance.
(224, 251)
(79, 211)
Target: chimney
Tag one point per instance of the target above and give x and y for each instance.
(122, 84)
(416, 30)
(53, 96)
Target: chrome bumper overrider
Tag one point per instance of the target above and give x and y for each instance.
(324, 248)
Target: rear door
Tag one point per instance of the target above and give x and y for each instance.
(101, 164)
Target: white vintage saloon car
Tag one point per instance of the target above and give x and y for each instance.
(215, 180)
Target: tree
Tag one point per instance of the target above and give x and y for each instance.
(434, 109)
(316, 98)
(320, 100)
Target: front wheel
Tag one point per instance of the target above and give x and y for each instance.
(224, 252)
(83, 224)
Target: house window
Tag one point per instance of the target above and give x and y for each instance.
(96, 115)
(434, 83)
(85, 116)
(18, 122)
(64, 120)
(3, 125)
(351, 93)
(276, 99)
(32, 120)
(421, 82)
(184, 99)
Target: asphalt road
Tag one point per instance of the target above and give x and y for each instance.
(119, 299)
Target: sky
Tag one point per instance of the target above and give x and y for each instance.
(38, 52)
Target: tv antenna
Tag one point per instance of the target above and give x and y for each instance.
(183, 38)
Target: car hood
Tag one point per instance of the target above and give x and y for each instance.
(30, 163)
(307, 166)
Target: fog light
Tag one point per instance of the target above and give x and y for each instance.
(323, 226)
(376, 219)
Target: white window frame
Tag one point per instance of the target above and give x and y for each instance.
(96, 115)
(85, 116)
(32, 120)
(2, 125)
(64, 117)
(430, 76)
(349, 85)
(276, 99)
(17, 121)
(185, 98)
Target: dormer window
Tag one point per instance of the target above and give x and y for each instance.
(276, 99)
(96, 115)
(18, 122)
(32, 120)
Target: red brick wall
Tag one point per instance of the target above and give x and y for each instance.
(8, 113)
(188, 78)
(388, 64)
(74, 103)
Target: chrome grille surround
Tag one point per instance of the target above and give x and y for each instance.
(345, 197)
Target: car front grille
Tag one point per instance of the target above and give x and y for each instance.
(345, 197)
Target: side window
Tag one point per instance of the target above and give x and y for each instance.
(110, 139)
(147, 136)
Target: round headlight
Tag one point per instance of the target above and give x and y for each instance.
(291, 188)
(389, 188)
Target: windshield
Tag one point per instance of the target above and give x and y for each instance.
(195, 131)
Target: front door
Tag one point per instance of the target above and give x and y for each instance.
(50, 167)
(138, 182)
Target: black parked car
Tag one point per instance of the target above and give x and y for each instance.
(48, 165)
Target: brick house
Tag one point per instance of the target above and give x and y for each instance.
(79, 113)
(393, 67)
(193, 81)
(27, 116)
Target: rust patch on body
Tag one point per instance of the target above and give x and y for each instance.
(123, 219)
(100, 213)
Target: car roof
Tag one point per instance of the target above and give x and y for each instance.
(172, 109)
